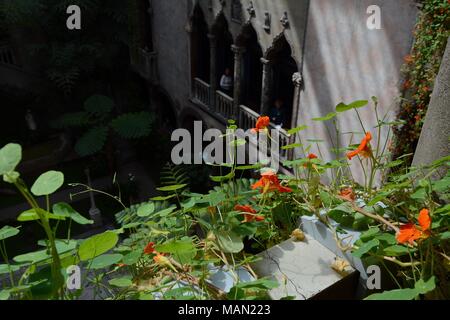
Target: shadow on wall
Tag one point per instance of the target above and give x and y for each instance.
(345, 61)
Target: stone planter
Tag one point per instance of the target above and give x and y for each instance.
(313, 227)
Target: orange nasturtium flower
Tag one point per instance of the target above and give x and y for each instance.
(310, 157)
(410, 232)
(269, 182)
(149, 248)
(250, 213)
(363, 149)
(408, 59)
(261, 124)
(347, 194)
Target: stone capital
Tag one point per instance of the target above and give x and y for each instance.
(297, 79)
(237, 49)
(212, 37)
(265, 61)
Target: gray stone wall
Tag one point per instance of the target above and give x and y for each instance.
(434, 140)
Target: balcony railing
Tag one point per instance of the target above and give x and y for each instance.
(248, 118)
(202, 92)
(224, 105)
(8, 55)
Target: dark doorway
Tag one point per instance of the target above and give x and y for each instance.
(284, 66)
(251, 68)
(144, 11)
(224, 55)
(199, 46)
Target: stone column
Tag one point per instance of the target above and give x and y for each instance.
(297, 80)
(433, 143)
(212, 70)
(266, 86)
(237, 85)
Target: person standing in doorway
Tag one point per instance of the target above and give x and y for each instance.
(226, 82)
(277, 113)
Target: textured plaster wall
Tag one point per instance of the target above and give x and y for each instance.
(171, 42)
(345, 61)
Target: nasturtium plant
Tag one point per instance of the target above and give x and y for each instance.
(47, 183)
(97, 245)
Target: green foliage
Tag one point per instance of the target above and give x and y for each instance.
(133, 125)
(92, 141)
(10, 156)
(48, 183)
(421, 68)
(173, 175)
(8, 232)
(421, 287)
(98, 117)
(65, 210)
(69, 59)
(97, 245)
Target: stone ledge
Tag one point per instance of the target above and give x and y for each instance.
(303, 270)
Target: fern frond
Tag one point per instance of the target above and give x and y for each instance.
(133, 125)
(173, 175)
(92, 141)
(69, 120)
(99, 105)
(65, 80)
(238, 186)
(130, 215)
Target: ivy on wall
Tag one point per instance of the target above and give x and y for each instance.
(420, 70)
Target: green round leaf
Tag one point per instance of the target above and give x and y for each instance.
(97, 245)
(65, 210)
(10, 156)
(48, 183)
(105, 260)
(121, 282)
(32, 215)
(342, 107)
(327, 117)
(146, 210)
(8, 232)
(229, 242)
(182, 250)
(132, 257)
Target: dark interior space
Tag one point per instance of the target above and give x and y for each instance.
(200, 53)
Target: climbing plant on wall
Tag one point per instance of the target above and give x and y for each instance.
(420, 69)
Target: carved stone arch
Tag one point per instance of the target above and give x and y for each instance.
(224, 58)
(277, 43)
(281, 68)
(220, 24)
(244, 32)
(199, 43)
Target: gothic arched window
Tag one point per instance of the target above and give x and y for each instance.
(236, 11)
